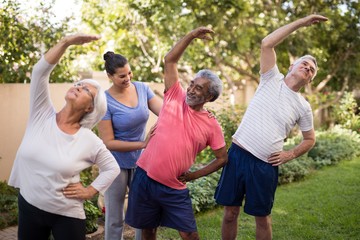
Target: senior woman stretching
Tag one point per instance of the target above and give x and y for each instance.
(56, 147)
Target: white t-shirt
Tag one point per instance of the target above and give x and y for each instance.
(49, 159)
(274, 110)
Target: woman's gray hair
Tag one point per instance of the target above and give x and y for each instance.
(313, 59)
(100, 106)
(215, 87)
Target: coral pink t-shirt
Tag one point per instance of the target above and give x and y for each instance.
(180, 135)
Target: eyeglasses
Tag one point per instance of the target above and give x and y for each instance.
(86, 89)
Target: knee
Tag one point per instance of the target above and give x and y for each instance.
(149, 233)
(231, 214)
(189, 235)
(263, 222)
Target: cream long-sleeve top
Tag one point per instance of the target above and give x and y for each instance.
(49, 159)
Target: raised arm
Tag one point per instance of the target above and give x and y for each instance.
(54, 54)
(173, 56)
(268, 56)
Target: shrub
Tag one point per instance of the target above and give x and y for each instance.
(345, 112)
(8, 205)
(202, 190)
(92, 212)
(335, 145)
(229, 119)
(295, 170)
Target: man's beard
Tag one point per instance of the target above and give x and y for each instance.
(194, 100)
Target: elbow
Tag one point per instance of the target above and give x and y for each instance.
(169, 58)
(313, 141)
(117, 170)
(266, 44)
(166, 58)
(309, 143)
(223, 161)
(108, 145)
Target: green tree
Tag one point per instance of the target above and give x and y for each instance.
(24, 39)
(145, 30)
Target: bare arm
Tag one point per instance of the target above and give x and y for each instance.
(306, 144)
(173, 56)
(219, 161)
(106, 133)
(54, 54)
(155, 105)
(268, 44)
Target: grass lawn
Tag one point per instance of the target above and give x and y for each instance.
(324, 206)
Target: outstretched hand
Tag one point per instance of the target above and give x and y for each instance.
(55, 53)
(314, 19)
(81, 38)
(202, 33)
(150, 134)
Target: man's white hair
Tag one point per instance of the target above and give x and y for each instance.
(313, 59)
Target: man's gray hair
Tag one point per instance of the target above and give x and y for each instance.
(310, 58)
(215, 87)
(100, 106)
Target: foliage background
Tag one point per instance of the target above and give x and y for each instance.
(144, 30)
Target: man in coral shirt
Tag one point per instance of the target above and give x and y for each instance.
(158, 195)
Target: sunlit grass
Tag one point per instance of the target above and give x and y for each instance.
(326, 205)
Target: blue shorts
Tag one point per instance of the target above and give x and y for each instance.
(246, 176)
(152, 204)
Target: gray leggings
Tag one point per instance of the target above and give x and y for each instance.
(115, 206)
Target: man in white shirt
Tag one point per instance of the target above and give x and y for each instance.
(257, 148)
